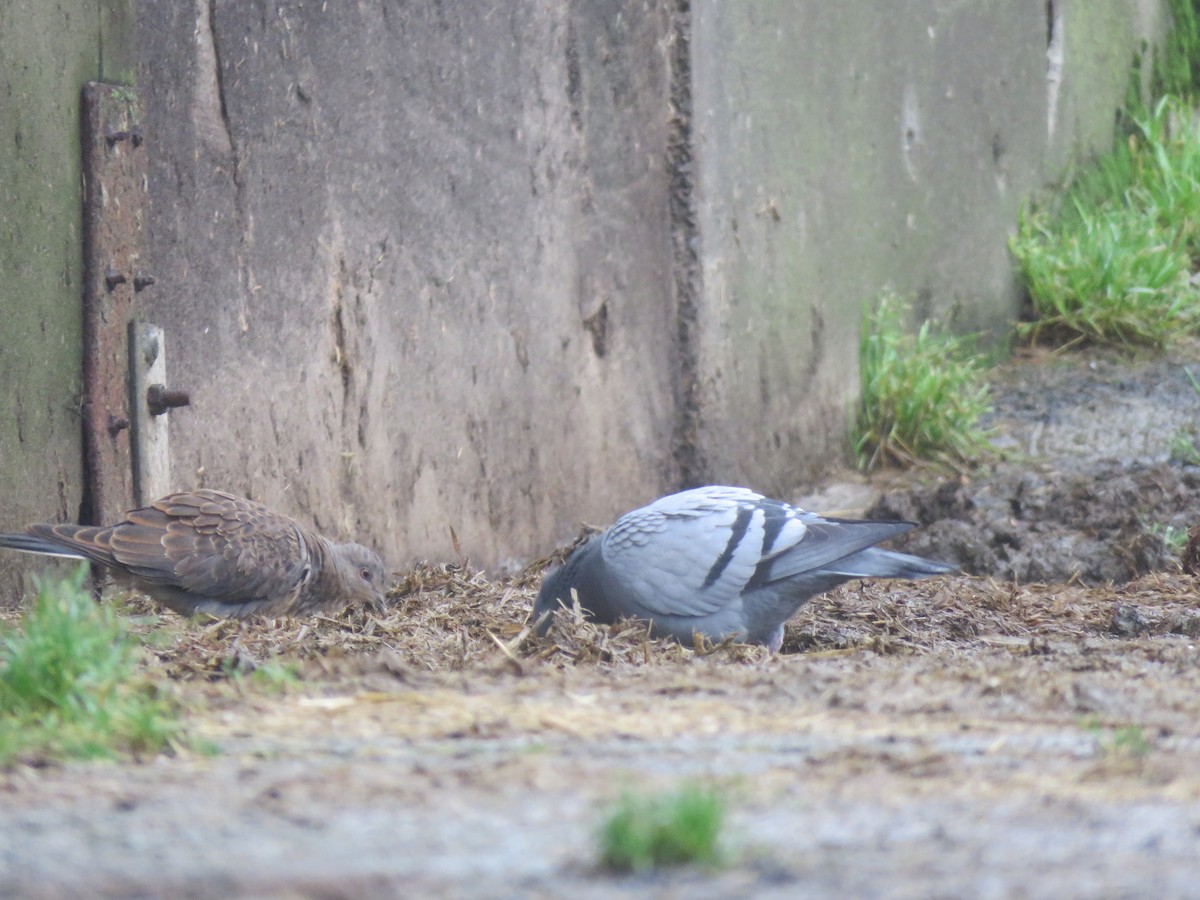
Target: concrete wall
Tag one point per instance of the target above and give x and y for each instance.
(511, 267)
(48, 49)
(426, 267)
(412, 262)
(844, 148)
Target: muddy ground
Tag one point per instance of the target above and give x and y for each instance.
(1031, 728)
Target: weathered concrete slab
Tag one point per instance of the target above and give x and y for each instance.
(412, 262)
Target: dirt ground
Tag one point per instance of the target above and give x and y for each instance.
(1031, 728)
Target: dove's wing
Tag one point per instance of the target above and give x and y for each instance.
(214, 545)
(208, 544)
(696, 552)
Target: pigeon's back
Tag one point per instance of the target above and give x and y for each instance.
(728, 563)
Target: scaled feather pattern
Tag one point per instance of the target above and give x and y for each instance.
(207, 551)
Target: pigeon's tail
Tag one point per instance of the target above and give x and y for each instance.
(876, 563)
(70, 541)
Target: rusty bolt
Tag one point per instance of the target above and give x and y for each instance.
(133, 133)
(141, 281)
(112, 135)
(112, 278)
(116, 424)
(160, 399)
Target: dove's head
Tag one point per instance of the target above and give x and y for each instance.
(362, 573)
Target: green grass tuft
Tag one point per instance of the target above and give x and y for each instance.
(663, 830)
(1183, 448)
(1174, 537)
(1113, 266)
(275, 676)
(66, 682)
(1126, 741)
(1129, 741)
(923, 395)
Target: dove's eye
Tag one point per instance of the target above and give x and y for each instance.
(365, 573)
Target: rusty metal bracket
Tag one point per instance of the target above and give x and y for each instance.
(116, 270)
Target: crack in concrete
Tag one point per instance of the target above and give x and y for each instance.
(685, 236)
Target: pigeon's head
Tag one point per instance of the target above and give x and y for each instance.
(564, 584)
(362, 572)
(555, 592)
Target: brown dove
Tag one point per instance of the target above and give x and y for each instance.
(211, 552)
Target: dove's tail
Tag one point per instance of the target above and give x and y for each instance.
(876, 563)
(70, 541)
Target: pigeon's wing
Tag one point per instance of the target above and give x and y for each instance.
(824, 542)
(212, 545)
(696, 552)
(693, 553)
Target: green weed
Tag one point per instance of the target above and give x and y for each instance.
(663, 830)
(1192, 380)
(1174, 537)
(275, 676)
(1111, 280)
(1127, 741)
(67, 687)
(923, 395)
(1183, 448)
(1177, 62)
(1113, 265)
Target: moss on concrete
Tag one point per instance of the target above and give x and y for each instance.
(47, 51)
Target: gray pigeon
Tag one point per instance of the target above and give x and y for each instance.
(208, 551)
(723, 562)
